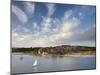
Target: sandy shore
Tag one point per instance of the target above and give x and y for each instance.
(74, 55)
(80, 55)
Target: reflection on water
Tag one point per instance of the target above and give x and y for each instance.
(23, 63)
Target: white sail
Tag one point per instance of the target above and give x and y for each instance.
(35, 63)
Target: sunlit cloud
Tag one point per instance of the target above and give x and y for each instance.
(19, 40)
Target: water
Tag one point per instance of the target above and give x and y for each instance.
(22, 63)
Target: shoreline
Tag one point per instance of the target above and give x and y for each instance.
(70, 55)
(81, 55)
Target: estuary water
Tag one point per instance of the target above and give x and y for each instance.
(22, 63)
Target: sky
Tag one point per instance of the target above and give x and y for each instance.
(38, 24)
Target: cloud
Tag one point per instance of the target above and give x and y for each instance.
(20, 14)
(47, 20)
(63, 30)
(35, 29)
(42, 42)
(27, 40)
(60, 36)
(87, 34)
(46, 23)
(51, 8)
(84, 37)
(21, 30)
(30, 7)
(35, 26)
(68, 14)
(21, 40)
(16, 38)
(68, 24)
(85, 11)
(50, 24)
(65, 33)
(87, 43)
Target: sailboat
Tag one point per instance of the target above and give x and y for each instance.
(35, 63)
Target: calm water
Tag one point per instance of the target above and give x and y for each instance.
(22, 63)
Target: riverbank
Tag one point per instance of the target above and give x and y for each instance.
(80, 55)
(66, 55)
(70, 55)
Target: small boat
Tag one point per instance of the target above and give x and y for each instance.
(35, 63)
(21, 58)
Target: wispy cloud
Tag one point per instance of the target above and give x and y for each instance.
(35, 29)
(68, 14)
(85, 11)
(46, 23)
(87, 34)
(68, 24)
(21, 30)
(20, 14)
(47, 20)
(51, 8)
(29, 7)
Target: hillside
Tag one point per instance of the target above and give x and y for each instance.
(58, 50)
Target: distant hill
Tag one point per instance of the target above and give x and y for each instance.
(63, 49)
